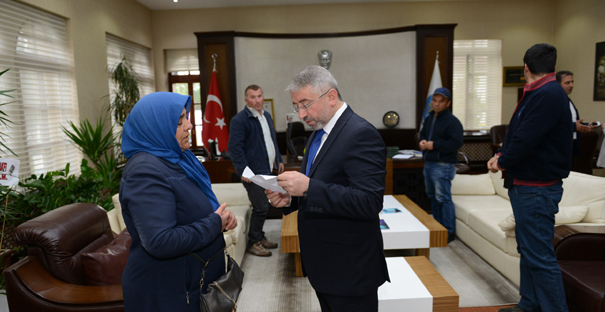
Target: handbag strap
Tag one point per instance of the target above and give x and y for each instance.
(221, 251)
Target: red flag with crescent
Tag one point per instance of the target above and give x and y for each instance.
(214, 126)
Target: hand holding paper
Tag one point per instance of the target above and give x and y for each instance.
(265, 181)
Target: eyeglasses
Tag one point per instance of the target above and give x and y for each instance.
(305, 107)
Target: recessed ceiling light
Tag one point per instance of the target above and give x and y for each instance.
(175, 1)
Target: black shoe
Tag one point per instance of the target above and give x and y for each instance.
(513, 309)
(450, 237)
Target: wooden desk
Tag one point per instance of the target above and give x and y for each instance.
(438, 234)
(408, 179)
(219, 171)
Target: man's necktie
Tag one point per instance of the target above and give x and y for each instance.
(313, 149)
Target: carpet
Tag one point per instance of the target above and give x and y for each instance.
(476, 282)
(270, 283)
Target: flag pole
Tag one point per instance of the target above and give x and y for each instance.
(214, 56)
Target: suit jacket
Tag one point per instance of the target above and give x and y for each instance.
(247, 143)
(338, 224)
(167, 216)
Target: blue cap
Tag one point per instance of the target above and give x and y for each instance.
(444, 92)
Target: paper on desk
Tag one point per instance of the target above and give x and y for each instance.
(402, 156)
(267, 182)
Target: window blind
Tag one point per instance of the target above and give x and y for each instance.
(33, 46)
(182, 60)
(477, 83)
(138, 56)
(140, 59)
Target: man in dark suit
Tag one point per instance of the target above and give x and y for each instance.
(565, 78)
(338, 194)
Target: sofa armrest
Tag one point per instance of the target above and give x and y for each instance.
(562, 232)
(29, 284)
(581, 246)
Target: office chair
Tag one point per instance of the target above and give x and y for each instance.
(296, 138)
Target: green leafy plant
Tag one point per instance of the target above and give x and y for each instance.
(127, 92)
(4, 121)
(90, 140)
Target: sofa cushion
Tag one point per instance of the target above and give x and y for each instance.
(596, 212)
(115, 199)
(582, 189)
(234, 194)
(242, 214)
(485, 223)
(105, 265)
(467, 184)
(465, 204)
(498, 182)
(566, 215)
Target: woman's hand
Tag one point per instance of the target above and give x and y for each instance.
(227, 217)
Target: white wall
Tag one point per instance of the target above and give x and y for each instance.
(369, 75)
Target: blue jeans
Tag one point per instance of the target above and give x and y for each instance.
(534, 208)
(438, 178)
(260, 207)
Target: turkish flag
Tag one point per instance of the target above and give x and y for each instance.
(214, 126)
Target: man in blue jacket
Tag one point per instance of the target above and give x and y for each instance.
(535, 157)
(440, 139)
(253, 143)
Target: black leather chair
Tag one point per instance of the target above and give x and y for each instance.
(497, 134)
(588, 144)
(296, 138)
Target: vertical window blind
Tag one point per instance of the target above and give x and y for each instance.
(477, 85)
(33, 46)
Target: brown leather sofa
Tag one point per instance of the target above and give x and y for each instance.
(51, 277)
(581, 257)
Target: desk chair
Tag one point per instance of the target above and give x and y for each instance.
(497, 134)
(296, 138)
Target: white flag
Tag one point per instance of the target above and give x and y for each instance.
(435, 83)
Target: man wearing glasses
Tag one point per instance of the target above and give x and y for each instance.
(338, 195)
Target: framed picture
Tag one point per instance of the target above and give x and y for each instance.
(513, 76)
(599, 73)
(268, 107)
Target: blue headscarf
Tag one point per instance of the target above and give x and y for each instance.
(151, 127)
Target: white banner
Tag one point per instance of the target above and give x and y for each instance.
(9, 171)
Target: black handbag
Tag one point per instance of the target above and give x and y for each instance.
(222, 294)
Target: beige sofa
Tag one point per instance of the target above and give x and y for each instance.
(484, 219)
(234, 194)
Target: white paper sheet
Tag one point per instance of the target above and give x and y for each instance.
(267, 182)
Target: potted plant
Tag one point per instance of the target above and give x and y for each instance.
(5, 253)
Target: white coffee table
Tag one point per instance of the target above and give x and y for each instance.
(415, 286)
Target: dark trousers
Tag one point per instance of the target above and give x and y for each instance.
(260, 207)
(333, 303)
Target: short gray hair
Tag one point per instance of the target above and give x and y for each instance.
(319, 78)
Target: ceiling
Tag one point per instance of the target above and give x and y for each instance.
(201, 4)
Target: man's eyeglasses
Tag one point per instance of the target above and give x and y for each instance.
(305, 107)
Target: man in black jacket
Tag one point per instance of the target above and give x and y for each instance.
(535, 157)
(440, 139)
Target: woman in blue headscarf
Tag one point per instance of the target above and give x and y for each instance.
(169, 209)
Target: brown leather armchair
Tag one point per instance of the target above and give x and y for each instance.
(51, 277)
(581, 257)
(497, 134)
